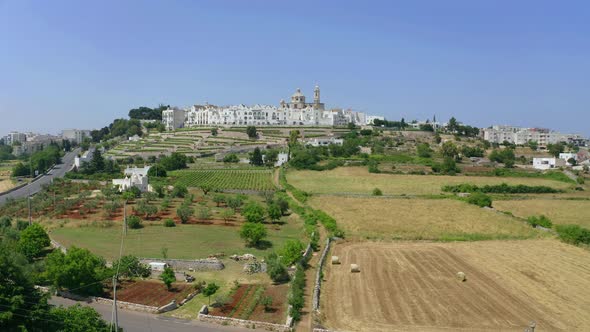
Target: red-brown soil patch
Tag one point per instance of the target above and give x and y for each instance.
(149, 292)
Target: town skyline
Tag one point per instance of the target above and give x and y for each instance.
(519, 64)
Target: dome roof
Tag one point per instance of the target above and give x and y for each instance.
(298, 93)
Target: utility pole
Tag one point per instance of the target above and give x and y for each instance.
(115, 303)
(125, 217)
(30, 214)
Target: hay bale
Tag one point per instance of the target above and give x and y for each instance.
(335, 260)
(354, 268)
(461, 276)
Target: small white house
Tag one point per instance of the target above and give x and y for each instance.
(568, 156)
(325, 141)
(282, 158)
(86, 157)
(547, 163)
(139, 181)
(158, 266)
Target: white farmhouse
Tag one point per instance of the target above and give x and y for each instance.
(547, 163)
(86, 157)
(568, 156)
(134, 177)
(325, 141)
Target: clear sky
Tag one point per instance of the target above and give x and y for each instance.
(82, 63)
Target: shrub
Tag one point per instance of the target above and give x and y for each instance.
(267, 303)
(377, 192)
(169, 223)
(179, 190)
(480, 199)
(184, 212)
(276, 269)
(253, 212)
(253, 233)
(542, 221)
(573, 234)
(134, 222)
(291, 251)
(500, 189)
(231, 158)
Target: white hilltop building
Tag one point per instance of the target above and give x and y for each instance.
(298, 112)
(134, 177)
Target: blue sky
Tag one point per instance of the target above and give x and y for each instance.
(82, 63)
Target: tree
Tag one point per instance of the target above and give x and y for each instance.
(78, 270)
(227, 214)
(253, 233)
(168, 277)
(251, 132)
(129, 266)
(32, 241)
(231, 158)
(204, 213)
(283, 205)
(157, 171)
(293, 136)
(21, 170)
(256, 157)
(179, 190)
(424, 150)
(253, 212)
(555, 149)
(206, 188)
(169, 223)
(267, 303)
(277, 271)
(377, 192)
(210, 290)
(291, 252)
(270, 157)
(351, 126)
(24, 308)
(234, 202)
(274, 212)
(77, 318)
(184, 213)
(218, 199)
(175, 161)
(213, 131)
(134, 222)
(449, 149)
(452, 125)
(533, 145)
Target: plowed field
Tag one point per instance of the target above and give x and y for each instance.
(413, 287)
(150, 292)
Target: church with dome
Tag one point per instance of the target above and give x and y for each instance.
(297, 112)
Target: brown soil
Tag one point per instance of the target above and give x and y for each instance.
(149, 292)
(413, 286)
(241, 299)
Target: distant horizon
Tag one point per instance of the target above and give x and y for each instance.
(67, 64)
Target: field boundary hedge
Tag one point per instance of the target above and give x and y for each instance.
(500, 189)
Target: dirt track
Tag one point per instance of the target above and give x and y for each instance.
(412, 287)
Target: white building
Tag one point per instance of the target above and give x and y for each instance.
(547, 163)
(325, 141)
(296, 113)
(372, 118)
(283, 157)
(75, 135)
(173, 118)
(86, 157)
(15, 137)
(521, 136)
(142, 171)
(567, 156)
(138, 181)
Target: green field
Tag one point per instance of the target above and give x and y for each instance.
(357, 180)
(260, 179)
(182, 241)
(419, 219)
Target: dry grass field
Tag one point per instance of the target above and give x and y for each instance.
(413, 287)
(398, 218)
(5, 184)
(359, 180)
(559, 211)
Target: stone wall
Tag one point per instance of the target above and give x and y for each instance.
(318, 277)
(186, 264)
(205, 317)
(59, 246)
(120, 304)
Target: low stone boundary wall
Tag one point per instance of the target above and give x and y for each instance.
(127, 305)
(205, 317)
(318, 278)
(185, 264)
(308, 250)
(58, 245)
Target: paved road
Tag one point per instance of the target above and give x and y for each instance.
(132, 321)
(59, 171)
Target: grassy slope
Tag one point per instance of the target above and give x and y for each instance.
(559, 211)
(359, 180)
(182, 241)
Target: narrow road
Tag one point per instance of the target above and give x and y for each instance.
(57, 172)
(132, 321)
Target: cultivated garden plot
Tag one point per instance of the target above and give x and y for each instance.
(560, 211)
(149, 292)
(419, 219)
(413, 287)
(260, 180)
(357, 180)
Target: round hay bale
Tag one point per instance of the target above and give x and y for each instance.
(335, 260)
(354, 268)
(461, 276)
